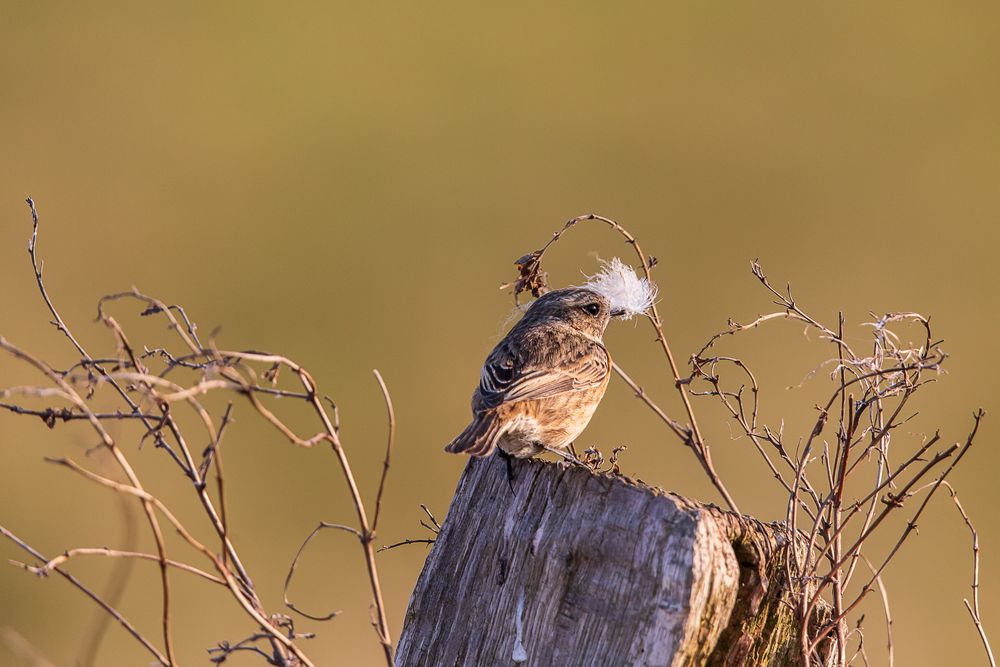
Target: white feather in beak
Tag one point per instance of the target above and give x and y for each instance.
(629, 294)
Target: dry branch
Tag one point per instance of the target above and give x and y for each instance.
(153, 399)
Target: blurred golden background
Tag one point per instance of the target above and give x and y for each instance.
(348, 184)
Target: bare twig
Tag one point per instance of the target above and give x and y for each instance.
(434, 527)
(46, 568)
(295, 563)
(391, 416)
(231, 583)
(884, 595)
(117, 583)
(973, 607)
(387, 547)
(124, 622)
(126, 468)
(865, 408)
(437, 526)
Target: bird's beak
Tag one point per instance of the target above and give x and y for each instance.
(618, 312)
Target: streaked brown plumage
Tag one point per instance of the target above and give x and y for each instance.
(541, 384)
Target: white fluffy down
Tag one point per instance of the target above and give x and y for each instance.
(619, 284)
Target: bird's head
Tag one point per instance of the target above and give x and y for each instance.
(578, 307)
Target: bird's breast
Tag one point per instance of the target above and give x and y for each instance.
(552, 422)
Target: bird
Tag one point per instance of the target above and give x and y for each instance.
(541, 384)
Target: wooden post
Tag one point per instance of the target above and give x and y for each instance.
(578, 568)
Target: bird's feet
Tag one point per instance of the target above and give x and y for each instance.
(568, 456)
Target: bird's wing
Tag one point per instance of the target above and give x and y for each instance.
(512, 373)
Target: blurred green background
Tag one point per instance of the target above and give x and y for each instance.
(348, 183)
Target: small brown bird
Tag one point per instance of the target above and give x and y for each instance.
(541, 384)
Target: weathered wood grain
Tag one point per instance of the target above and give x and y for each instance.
(576, 568)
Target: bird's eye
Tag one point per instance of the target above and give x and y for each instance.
(593, 308)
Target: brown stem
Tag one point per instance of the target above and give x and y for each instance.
(114, 613)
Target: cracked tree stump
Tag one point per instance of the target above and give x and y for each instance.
(578, 568)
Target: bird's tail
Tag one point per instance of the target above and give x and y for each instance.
(480, 437)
